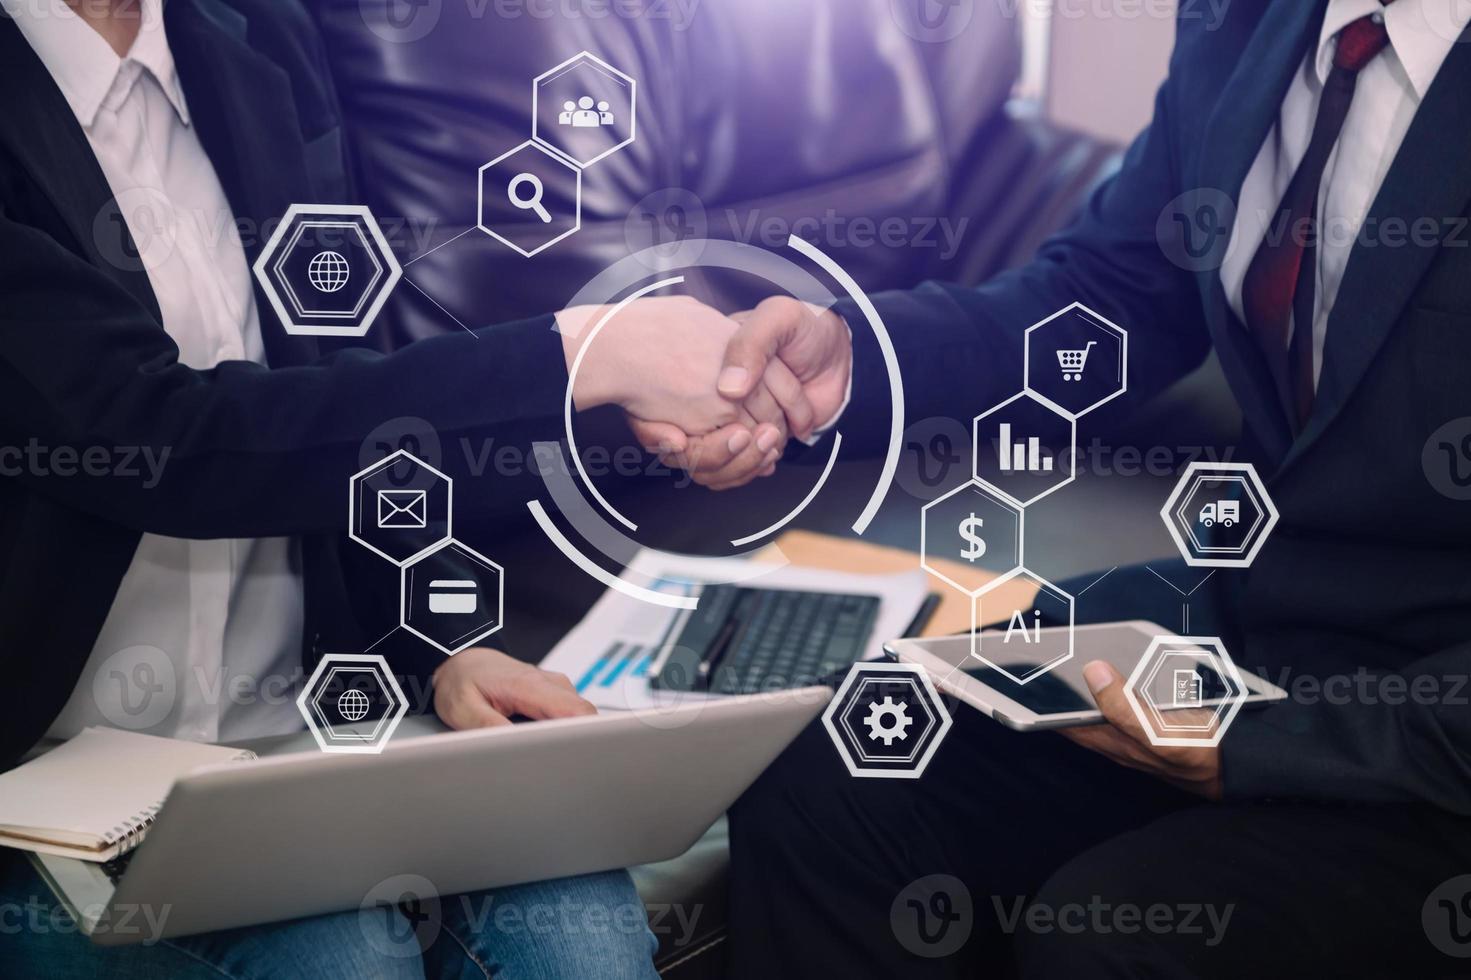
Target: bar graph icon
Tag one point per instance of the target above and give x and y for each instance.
(1019, 457)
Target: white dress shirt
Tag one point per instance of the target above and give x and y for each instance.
(1387, 93)
(219, 611)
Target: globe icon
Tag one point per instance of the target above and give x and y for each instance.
(327, 271)
(352, 705)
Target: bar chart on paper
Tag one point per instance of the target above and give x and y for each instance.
(1020, 457)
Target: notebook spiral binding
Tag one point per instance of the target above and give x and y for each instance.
(129, 833)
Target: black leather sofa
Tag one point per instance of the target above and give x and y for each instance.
(757, 110)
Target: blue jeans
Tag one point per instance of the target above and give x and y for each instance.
(588, 926)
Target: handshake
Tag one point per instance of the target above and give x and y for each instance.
(716, 395)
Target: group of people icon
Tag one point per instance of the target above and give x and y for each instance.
(581, 113)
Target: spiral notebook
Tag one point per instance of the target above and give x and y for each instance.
(94, 797)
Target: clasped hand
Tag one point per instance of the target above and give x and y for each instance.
(714, 395)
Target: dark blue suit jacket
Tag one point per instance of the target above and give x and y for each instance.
(1370, 567)
(252, 451)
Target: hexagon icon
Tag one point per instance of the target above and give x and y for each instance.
(452, 597)
(975, 527)
(352, 703)
(886, 720)
(1025, 641)
(584, 109)
(1013, 453)
(1185, 690)
(1219, 514)
(529, 198)
(327, 270)
(400, 507)
(1076, 360)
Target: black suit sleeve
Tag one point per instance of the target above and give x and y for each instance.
(250, 451)
(960, 348)
(1368, 737)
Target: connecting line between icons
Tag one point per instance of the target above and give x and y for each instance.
(441, 308)
(1176, 587)
(436, 248)
(381, 639)
(1097, 580)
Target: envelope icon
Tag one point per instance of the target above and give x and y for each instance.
(403, 509)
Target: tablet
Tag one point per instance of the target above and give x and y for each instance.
(1060, 697)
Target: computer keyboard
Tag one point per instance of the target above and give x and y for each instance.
(742, 640)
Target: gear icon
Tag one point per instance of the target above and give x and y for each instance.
(898, 723)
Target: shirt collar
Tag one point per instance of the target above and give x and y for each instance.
(1421, 34)
(83, 65)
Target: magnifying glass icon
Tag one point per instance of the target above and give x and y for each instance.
(532, 203)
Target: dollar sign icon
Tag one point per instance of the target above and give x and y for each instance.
(968, 532)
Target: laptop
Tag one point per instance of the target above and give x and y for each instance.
(298, 833)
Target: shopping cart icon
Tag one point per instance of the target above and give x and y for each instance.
(1072, 362)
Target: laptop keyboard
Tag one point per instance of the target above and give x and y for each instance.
(742, 640)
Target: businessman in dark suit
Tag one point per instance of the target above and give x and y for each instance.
(1320, 827)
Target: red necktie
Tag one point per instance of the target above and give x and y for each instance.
(1278, 289)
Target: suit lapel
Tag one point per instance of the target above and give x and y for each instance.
(1245, 113)
(242, 106)
(42, 134)
(1428, 178)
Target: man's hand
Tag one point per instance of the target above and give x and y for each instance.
(482, 688)
(659, 359)
(1124, 740)
(801, 355)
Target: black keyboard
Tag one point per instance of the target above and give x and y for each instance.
(741, 640)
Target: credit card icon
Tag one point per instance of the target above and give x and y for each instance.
(453, 596)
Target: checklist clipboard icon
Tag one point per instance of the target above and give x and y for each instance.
(403, 509)
(1188, 689)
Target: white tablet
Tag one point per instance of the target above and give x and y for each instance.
(1060, 697)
